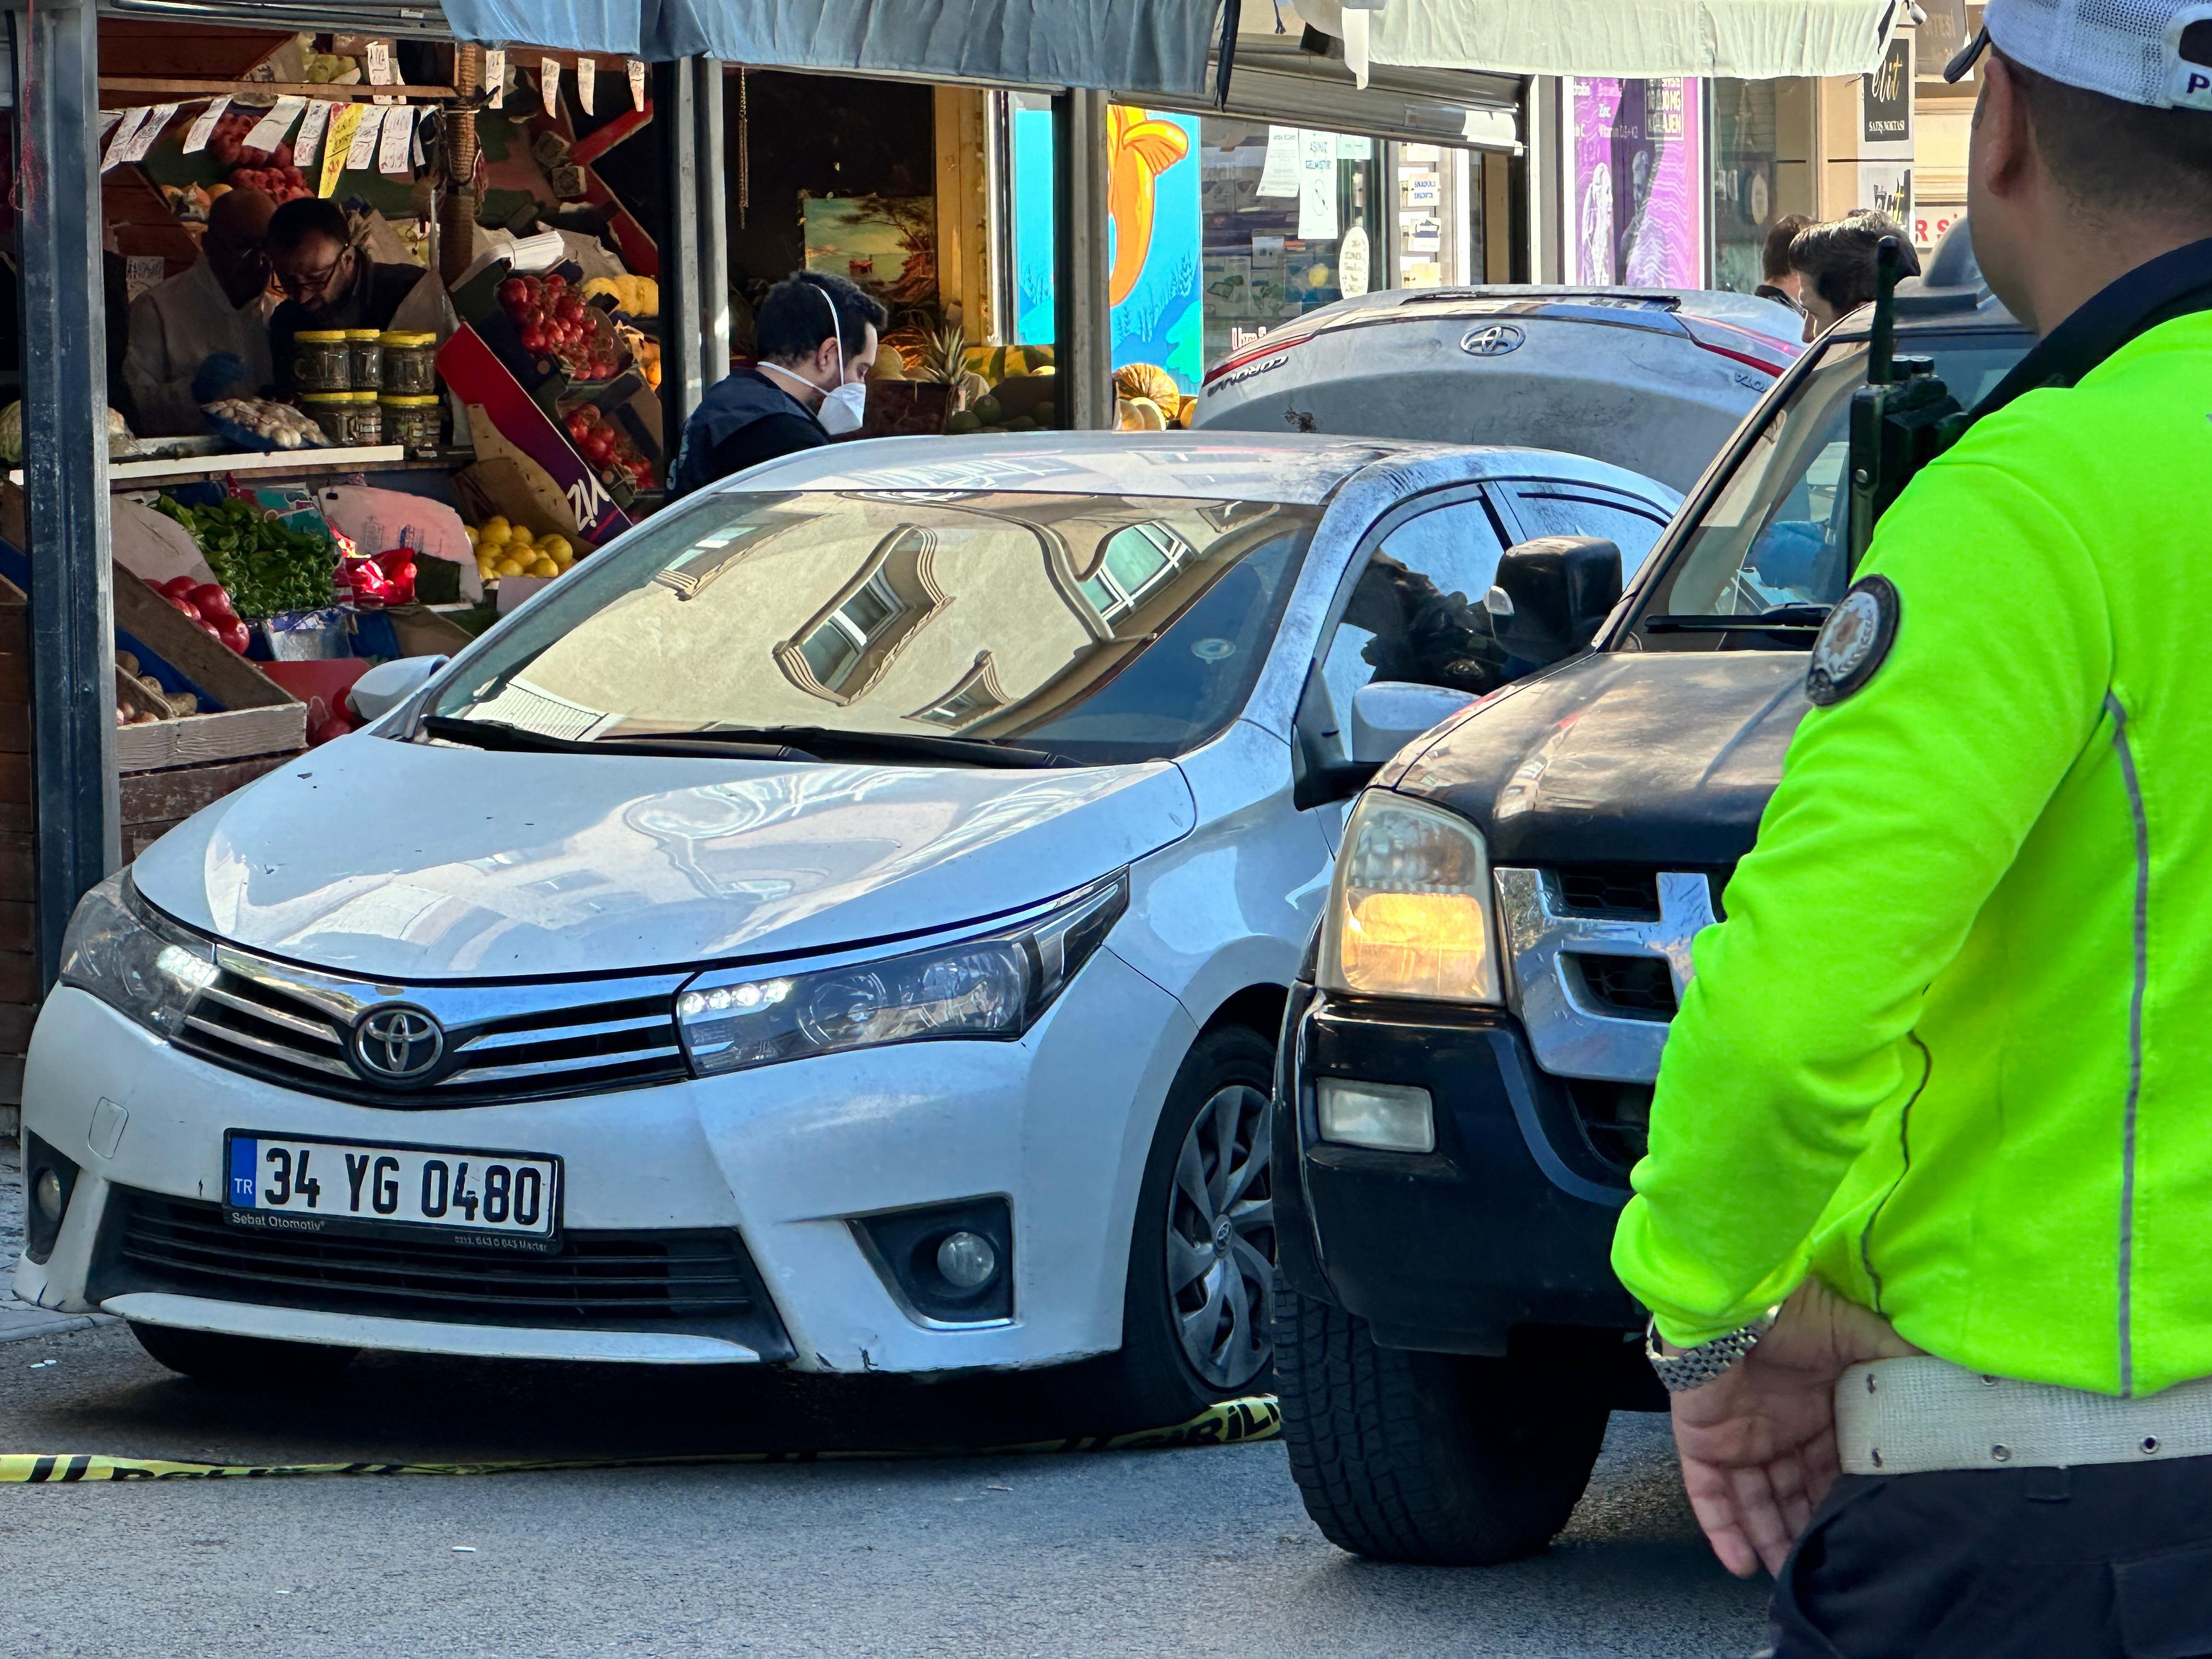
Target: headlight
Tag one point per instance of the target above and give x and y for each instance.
(1409, 910)
(137, 962)
(990, 986)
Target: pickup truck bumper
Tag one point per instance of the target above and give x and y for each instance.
(1502, 1232)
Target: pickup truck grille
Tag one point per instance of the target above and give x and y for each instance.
(1628, 889)
(297, 1027)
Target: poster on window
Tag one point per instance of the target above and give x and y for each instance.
(1636, 216)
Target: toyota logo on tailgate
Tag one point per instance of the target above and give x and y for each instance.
(1491, 340)
(397, 1044)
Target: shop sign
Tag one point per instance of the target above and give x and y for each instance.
(1886, 188)
(1638, 198)
(1943, 30)
(1886, 96)
(1929, 223)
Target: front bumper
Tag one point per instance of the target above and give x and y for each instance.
(782, 1159)
(1507, 1225)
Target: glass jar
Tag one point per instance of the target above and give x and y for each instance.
(321, 361)
(365, 357)
(412, 423)
(410, 363)
(347, 418)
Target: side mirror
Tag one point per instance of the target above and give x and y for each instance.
(1387, 714)
(388, 684)
(1552, 594)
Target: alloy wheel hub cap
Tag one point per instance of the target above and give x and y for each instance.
(1221, 1239)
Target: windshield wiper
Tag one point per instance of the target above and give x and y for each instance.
(816, 742)
(1777, 619)
(498, 734)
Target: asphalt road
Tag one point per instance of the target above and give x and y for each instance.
(1195, 1553)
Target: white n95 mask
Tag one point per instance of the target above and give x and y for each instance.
(841, 410)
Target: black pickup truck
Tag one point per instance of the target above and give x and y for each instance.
(1464, 1073)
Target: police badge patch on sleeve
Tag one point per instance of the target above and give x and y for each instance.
(1854, 640)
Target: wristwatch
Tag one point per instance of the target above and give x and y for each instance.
(1692, 1368)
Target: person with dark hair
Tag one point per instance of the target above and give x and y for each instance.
(1780, 282)
(1834, 265)
(328, 281)
(814, 340)
(1922, 1229)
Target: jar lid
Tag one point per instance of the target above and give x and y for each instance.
(406, 342)
(364, 334)
(321, 336)
(411, 399)
(338, 397)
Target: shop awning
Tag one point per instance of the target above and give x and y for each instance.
(1746, 39)
(1135, 46)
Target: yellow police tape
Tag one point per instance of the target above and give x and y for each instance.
(1229, 1423)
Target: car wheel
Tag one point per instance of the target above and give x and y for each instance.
(1432, 1458)
(1197, 1311)
(245, 1362)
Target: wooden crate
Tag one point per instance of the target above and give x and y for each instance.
(258, 716)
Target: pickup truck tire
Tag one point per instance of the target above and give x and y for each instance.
(242, 1363)
(1435, 1459)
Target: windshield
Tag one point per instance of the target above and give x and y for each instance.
(1098, 627)
(1776, 533)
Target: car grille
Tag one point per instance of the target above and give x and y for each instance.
(1640, 986)
(697, 1280)
(1627, 888)
(501, 1043)
(1615, 1119)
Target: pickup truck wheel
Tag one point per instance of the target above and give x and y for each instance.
(243, 1363)
(1429, 1458)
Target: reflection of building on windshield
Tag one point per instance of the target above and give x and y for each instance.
(976, 695)
(845, 649)
(1136, 561)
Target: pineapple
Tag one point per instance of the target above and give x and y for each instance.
(944, 357)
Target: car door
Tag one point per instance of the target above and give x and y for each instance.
(1562, 506)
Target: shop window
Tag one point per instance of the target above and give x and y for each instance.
(1637, 208)
(845, 648)
(1439, 213)
(1747, 143)
(975, 694)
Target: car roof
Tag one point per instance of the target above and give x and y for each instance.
(1587, 301)
(1293, 468)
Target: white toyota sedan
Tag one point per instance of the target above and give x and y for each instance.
(844, 925)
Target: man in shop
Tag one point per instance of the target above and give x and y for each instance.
(1780, 281)
(1835, 266)
(814, 342)
(1932, 1133)
(328, 281)
(203, 334)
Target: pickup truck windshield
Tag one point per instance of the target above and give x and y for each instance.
(1776, 534)
(1096, 628)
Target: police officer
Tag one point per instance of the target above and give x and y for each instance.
(1926, 1226)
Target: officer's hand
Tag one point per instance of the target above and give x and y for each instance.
(1759, 1442)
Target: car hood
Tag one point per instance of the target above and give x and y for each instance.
(409, 861)
(1658, 757)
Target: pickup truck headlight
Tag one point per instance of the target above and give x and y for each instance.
(1409, 911)
(994, 985)
(136, 960)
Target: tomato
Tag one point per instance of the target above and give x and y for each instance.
(571, 309)
(235, 634)
(211, 602)
(187, 608)
(180, 587)
(533, 338)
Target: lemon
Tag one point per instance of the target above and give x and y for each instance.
(510, 567)
(557, 548)
(519, 536)
(562, 560)
(544, 567)
(493, 530)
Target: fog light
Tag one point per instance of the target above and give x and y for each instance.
(46, 1194)
(1391, 1117)
(967, 1260)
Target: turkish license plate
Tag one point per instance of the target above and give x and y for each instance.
(292, 1184)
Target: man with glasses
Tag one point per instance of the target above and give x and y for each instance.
(203, 334)
(328, 283)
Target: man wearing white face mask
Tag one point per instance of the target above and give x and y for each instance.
(814, 340)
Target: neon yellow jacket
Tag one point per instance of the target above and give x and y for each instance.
(1951, 1049)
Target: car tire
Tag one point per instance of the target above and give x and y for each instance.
(242, 1362)
(1434, 1459)
(1220, 1099)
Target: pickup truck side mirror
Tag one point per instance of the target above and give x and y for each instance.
(1552, 595)
(388, 684)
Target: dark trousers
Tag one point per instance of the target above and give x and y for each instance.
(2110, 1559)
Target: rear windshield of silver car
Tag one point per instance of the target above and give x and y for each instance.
(1103, 629)
(1777, 534)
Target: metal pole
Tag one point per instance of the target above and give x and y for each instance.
(713, 225)
(675, 111)
(1084, 343)
(78, 830)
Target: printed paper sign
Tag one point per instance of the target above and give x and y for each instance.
(587, 78)
(362, 153)
(269, 131)
(1318, 187)
(1280, 175)
(126, 130)
(202, 127)
(398, 128)
(1349, 148)
(151, 132)
(495, 77)
(379, 66)
(310, 139)
(549, 83)
(109, 117)
(345, 127)
(636, 85)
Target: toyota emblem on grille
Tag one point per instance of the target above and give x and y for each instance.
(397, 1044)
(1493, 341)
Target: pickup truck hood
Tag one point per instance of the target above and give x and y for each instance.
(413, 862)
(1632, 757)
